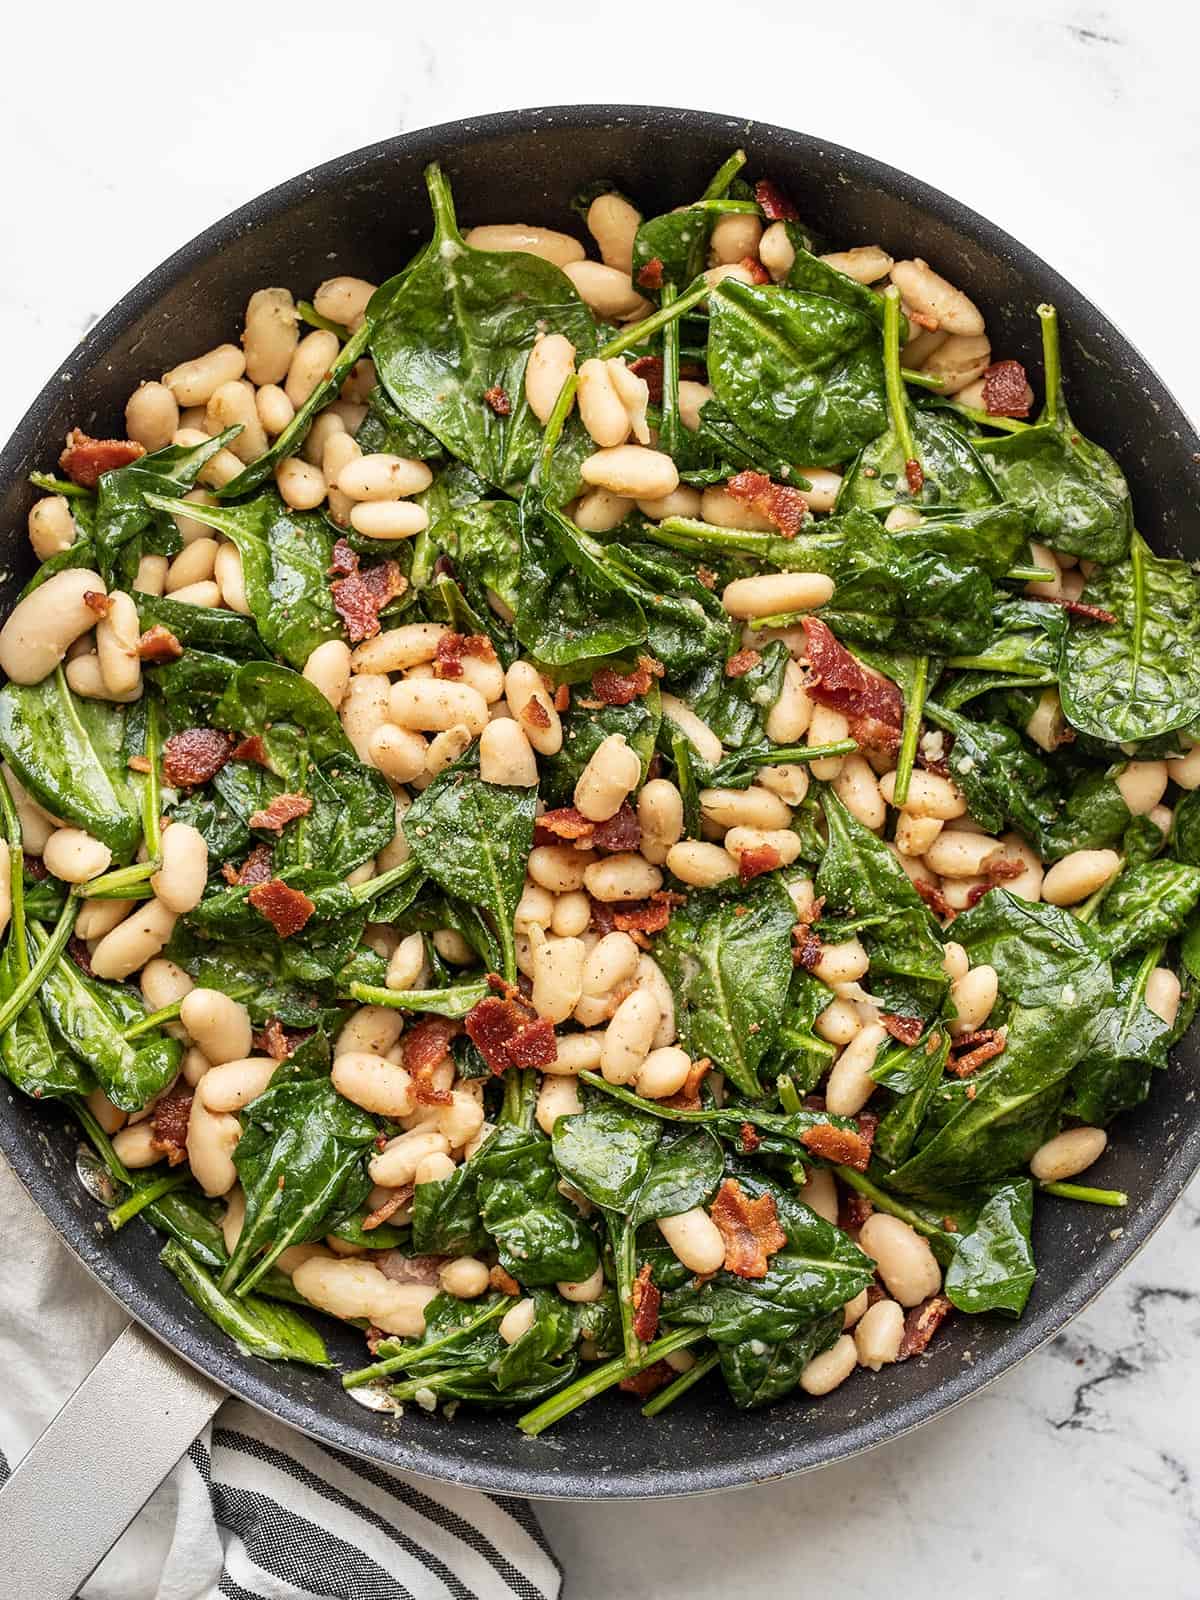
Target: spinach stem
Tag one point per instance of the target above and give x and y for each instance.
(466, 995)
(386, 880)
(724, 176)
(1081, 1191)
(786, 755)
(440, 198)
(789, 1095)
(309, 313)
(1052, 359)
(624, 1247)
(520, 1095)
(1030, 574)
(101, 1143)
(913, 712)
(431, 1381)
(16, 871)
(921, 380)
(25, 990)
(896, 398)
(987, 420)
(749, 207)
(63, 486)
(886, 1202)
(556, 421)
(685, 1381)
(669, 424)
(418, 1352)
(604, 1377)
(651, 324)
(151, 794)
(135, 1202)
(125, 883)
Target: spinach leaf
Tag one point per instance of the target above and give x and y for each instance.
(1043, 955)
(484, 541)
(992, 1268)
(799, 373)
(445, 1214)
(729, 964)
(30, 1058)
(540, 1236)
(198, 628)
(1126, 1041)
(606, 1151)
(473, 839)
(258, 1327)
(461, 323)
(585, 728)
(685, 1171)
(1022, 652)
(756, 1373)
(262, 694)
(123, 512)
(909, 1079)
(1005, 781)
(300, 1161)
(385, 430)
(67, 753)
(1185, 831)
(571, 606)
(1139, 678)
(1147, 904)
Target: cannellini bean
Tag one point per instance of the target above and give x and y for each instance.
(914, 835)
(850, 1084)
(51, 526)
(877, 1337)
(571, 915)
(400, 1157)
(720, 508)
(194, 564)
(652, 979)
(866, 263)
(399, 753)
(955, 962)
(606, 290)
(204, 593)
(558, 867)
(328, 669)
(466, 1278)
(731, 270)
(301, 485)
(842, 963)
(446, 747)
(327, 424)
(358, 1289)
(452, 947)
(789, 782)
(212, 1137)
(585, 1292)
(151, 576)
(695, 1239)
(234, 1084)
(600, 511)
(784, 844)
(134, 941)
(612, 961)
(96, 917)
(85, 678)
(682, 502)
(383, 477)
(74, 856)
(973, 996)
(110, 1117)
(744, 808)
(927, 292)
(233, 405)
(791, 714)
(527, 239)
(516, 1323)
(179, 882)
(600, 407)
(576, 1052)
(344, 300)
(1142, 785)
(735, 235)
(1078, 875)
(776, 252)
(36, 824)
(551, 362)
(625, 876)
(838, 1023)
(533, 709)
(660, 817)
(1049, 588)
(705, 742)
(43, 625)
(219, 1025)
(373, 1082)
(824, 1373)
(461, 1120)
(855, 1310)
(612, 770)
(374, 1029)
(700, 864)
(819, 1193)
(1068, 1154)
(663, 1073)
(388, 519)
(1185, 770)
(905, 1261)
(957, 854)
(1163, 991)
(557, 975)
(311, 362)
(193, 383)
(613, 223)
(959, 361)
(364, 708)
(858, 790)
(399, 648)
(629, 1037)
(633, 470)
(231, 579)
(557, 1097)
(693, 397)
(135, 1147)
(152, 415)
(406, 965)
(434, 704)
(535, 905)
(270, 335)
(275, 410)
(803, 896)
(826, 726)
(928, 796)
(771, 592)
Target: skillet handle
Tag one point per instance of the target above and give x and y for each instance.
(98, 1461)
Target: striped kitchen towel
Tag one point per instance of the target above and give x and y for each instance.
(254, 1511)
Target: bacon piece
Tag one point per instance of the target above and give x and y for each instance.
(97, 601)
(283, 809)
(934, 898)
(503, 1281)
(650, 370)
(535, 714)
(159, 644)
(742, 662)
(1081, 609)
(620, 832)
(257, 867)
(650, 276)
(969, 1052)
(285, 908)
(195, 755)
(920, 1325)
(1004, 870)
(359, 596)
(562, 698)
(619, 688)
(853, 1211)
(749, 1138)
(775, 205)
(647, 1298)
(566, 823)
(754, 268)
(645, 916)
(169, 1124)
(397, 1198)
(80, 954)
(754, 862)
(139, 764)
(251, 749)
(845, 1146)
(976, 893)
(533, 1044)
(780, 504)
(806, 952)
(426, 1046)
(1006, 390)
(644, 1383)
(914, 476)
(907, 1030)
(750, 1229)
(507, 1035)
(688, 1098)
(35, 868)
(85, 459)
(401, 1267)
(873, 706)
(344, 560)
(277, 1041)
(452, 647)
(497, 398)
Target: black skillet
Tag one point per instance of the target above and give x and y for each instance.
(364, 213)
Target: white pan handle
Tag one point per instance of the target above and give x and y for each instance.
(100, 1459)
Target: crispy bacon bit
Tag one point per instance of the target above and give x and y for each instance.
(1081, 609)
(97, 601)
(707, 577)
(562, 697)
(619, 688)
(257, 867)
(920, 1325)
(497, 398)
(1004, 870)
(749, 1137)
(644, 1383)
(604, 914)
(845, 1146)
(873, 706)
(138, 764)
(742, 662)
(283, 809)
(650, 276)
(620, 832)
(976, 893)
(644, 916)
(750, 1229)
(969, 1052)
(503, 1281)
(426, 1046)
(775, 205)
(688, 1098)
(85, 458)
(397, 1198)
(780, 504)
(159, 644)
(806, 952)
(344, 559)
(452, 647)
(755, 269)
(285, 908)
(535, 714)
(169, 1124)
(566, 823)
(650, 370)
(905, 1029)
(251, 749)
(914, 476)
(647, 1297)
(35, 868)
(934, 898)
(507, 1035)
(1006, 390)
(195, 755)
(274, 1041)
(853, 1211)
(78, 951)
(533, 1045)
(754, 862)
(359, 596)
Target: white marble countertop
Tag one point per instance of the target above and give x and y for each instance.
(1071, 124)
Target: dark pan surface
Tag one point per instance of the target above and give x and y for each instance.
(363, 213)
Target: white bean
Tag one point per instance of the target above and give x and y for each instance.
(955, 962)
(517, 1321)
(832, 1367)
(383, 477)
(73, 856)
(388, 519)
(373, 1082)
(558, 867)
(973, 996)
(42, 626)
(771, 592)
(905, 1261)
(842, 963)
(819, 1193)
(776, 251)
(695, 1239)
(434, 704)
(179, 882)
(231, 406)
(151, 415)
(682, 502)
(532, 708)
(344, 300)
(527, 239)
(551, 362)
(466, 1278)
(702, 865)
(134, 941)
(612, 770)
(850, 1084)
(586, 1291)
(328, 669)
(735, 236)
(663, 1073)
(1078, 875)
(959, 361)
(877, 1337)
(1163, 991)
(931, 295)
(608, 292)
(744, 808)
(838, 1023)
(782, 842)
(275, 410)
(629, 1037)
(1068, 1154)
(311, 362)
(625, 876)
(928, 796)
(600, 407)
(557, 1097)
(234, 1084)
(399, 1159)
(612, 961)
(576, 1052)
(557, 975)
(397, 649)
(958, 854)
(136, 1147)
(865, 263)
(572, 914)
(720, 508)
(371, 1028)
(217, 1023)
(1142, 785)
(660, 817)
(791, 714)
(633, 470)
(364, 708)
(705, 742)
(194, 382)
(613, 223)
(858, 789)
(914, 835)
(270, 335)
(212, 1137)
(358, 1289)
(693, 397)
